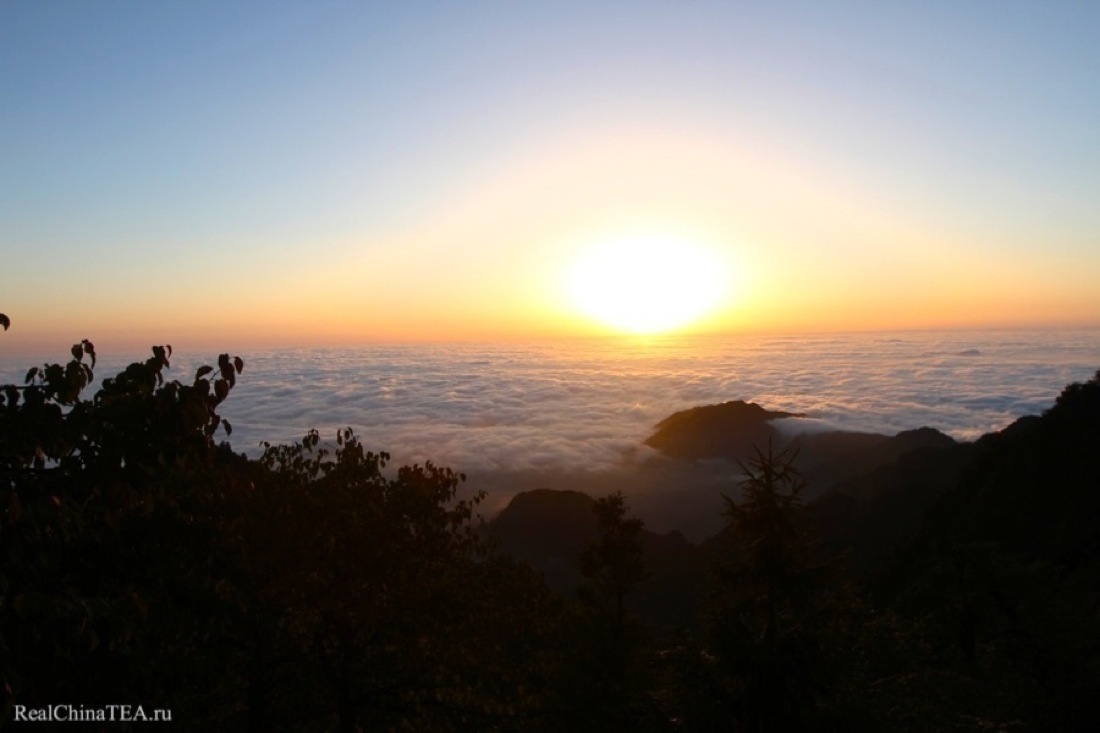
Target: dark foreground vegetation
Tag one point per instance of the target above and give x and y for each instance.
(316, 589)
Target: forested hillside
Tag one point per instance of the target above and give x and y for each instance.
(142, 561)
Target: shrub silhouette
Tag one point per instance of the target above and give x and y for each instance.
(99, 497)
(142, 560)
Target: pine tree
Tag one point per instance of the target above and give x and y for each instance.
(762, 638)
(614, 564)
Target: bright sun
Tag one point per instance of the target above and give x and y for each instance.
(647, 284)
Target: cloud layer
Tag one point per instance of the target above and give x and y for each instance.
(574, 414)
(587, 405)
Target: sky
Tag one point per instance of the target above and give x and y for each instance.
(240, 175)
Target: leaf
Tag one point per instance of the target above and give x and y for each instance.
(202, 372)
(89, 349)
(77, 351)
(5, 321)
(239, 363)
(226, 369)
(31, 374)
(228, 427)
(221, 389)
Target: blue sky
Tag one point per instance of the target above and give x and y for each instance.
(170, 158)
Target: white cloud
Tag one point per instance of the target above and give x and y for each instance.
(584, 407)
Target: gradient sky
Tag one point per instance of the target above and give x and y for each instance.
(235, 174)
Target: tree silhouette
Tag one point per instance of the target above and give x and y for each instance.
(142, 560)
(99, 497)
(382, 587)
(763, 634)
(614, 564)
(607, 688)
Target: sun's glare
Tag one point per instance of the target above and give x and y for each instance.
(647, 284)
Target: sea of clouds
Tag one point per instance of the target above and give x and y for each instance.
(565, 413)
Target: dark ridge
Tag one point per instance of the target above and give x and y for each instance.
(728, 430)
(549, 529)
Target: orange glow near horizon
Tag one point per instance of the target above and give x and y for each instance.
(595, 235)
(480, 199)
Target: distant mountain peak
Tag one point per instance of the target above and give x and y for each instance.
(733, 410)
(726, 430)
